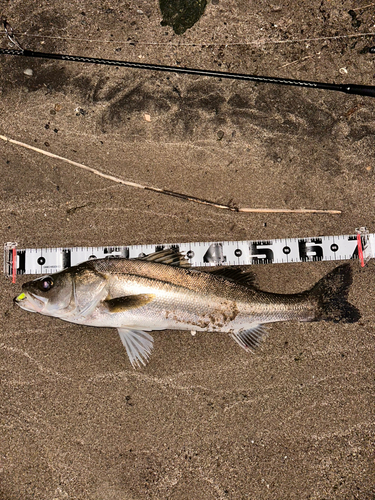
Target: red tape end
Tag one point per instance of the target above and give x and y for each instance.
(360, 250)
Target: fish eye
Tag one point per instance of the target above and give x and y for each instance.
(47, 284)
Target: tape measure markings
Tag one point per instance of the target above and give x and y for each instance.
(200, 254)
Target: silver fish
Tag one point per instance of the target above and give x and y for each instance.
(159, 292)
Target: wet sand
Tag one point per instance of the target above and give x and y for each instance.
(204, 419)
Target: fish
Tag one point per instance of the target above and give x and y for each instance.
(161, 292)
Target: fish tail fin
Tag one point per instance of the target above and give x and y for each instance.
(331, 293)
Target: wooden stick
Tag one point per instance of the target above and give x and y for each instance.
(165, 191)
(289, 211)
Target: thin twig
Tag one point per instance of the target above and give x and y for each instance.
(163, 191)
(288, 211)
(297, 61)
(364, 7)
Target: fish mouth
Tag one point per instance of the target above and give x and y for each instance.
(19, 298)
(30, 302)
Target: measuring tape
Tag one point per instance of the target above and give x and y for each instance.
(200, 254)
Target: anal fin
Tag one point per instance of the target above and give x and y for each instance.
(138, 345)
(250, 338)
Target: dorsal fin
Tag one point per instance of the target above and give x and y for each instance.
(167, 256)
(236, 274)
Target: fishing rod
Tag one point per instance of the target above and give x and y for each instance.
(348, 88)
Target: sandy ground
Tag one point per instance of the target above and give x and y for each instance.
(203, 420)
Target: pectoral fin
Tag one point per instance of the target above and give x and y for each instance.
(121, 304)
(251, 338)
(138, 345)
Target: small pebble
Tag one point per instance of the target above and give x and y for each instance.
(147, 118)
(28, 72)
(343, 71)
(80, 111)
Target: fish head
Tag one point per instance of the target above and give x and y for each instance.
(63, 295)
(47, 295)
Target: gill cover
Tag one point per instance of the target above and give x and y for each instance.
(71, 294)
